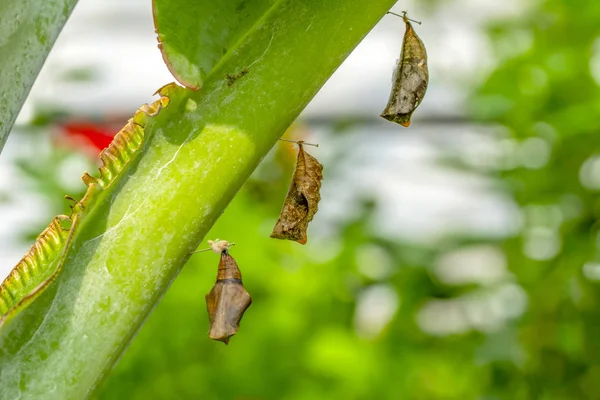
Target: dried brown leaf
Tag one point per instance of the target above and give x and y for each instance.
(227, 301)
(302, 199)
(410, 79)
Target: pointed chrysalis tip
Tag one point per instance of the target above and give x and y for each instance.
(302, 142)
(404, 17)
(222, 339)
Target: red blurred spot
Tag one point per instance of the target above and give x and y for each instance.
(88, 134)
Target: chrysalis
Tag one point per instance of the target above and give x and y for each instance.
(228, 300)
(410, 79)
(302, 199)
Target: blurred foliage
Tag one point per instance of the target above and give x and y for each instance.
(360, 316)
(545, 92)
(297, 339)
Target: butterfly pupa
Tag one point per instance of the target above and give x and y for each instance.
(410, 79)
(228, 299)
(300, 205)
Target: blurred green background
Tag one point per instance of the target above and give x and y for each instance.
(359, 314)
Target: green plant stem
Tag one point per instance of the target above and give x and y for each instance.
(28, 30)
(197, 153)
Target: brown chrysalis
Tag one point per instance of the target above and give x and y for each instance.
(302, 199)
(227, 301)
(410, 79)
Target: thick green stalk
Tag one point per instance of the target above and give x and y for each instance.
(196, 155)
(28, 29)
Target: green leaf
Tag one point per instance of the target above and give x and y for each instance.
(35, 271)
(28, 29)
(140, 225)
(194, 35)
